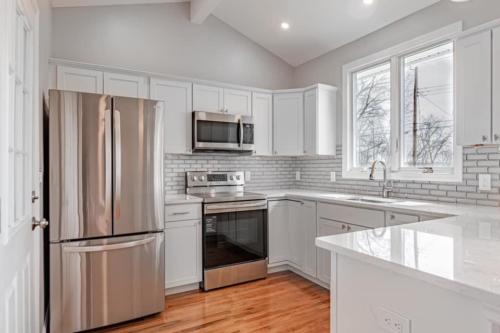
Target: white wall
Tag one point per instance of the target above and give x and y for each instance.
(159, 38)
(328, 68)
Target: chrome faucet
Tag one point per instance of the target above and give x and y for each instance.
(387, 187)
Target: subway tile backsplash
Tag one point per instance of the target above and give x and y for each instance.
(279, 173)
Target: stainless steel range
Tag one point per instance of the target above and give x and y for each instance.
(234, 228)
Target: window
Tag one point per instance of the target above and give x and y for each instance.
(399, 108)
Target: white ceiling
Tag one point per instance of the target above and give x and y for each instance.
(316, 26)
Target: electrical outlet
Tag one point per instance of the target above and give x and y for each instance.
(297, 175)
(392, 322)
(248, 176)
(484, 182)
(333, 176)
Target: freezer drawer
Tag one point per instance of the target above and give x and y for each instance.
(101, 282)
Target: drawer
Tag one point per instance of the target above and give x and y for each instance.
(182, 212)
(368, 218)
(398, 218)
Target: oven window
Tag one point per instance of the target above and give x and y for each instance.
(215, 131)
(236, 237)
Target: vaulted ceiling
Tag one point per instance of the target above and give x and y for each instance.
(316, 26)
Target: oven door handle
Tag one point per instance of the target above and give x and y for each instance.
(235, 207)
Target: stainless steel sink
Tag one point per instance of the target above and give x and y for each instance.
(373, 200)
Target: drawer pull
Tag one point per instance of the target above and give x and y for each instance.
(180, 213)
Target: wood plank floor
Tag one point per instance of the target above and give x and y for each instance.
(284, 302)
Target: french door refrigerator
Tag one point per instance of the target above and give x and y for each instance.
(106, 210)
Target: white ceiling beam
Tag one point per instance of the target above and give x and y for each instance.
(200, 9)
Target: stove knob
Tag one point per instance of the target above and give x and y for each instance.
(231, 177)
(238, 177)
(202, 178)
(194, 178)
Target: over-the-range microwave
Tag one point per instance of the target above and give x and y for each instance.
(222, 132)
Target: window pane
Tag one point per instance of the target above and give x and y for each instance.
(427, 120)
(371, 115)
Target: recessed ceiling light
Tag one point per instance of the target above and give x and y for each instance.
(285, 25)
(368, 2)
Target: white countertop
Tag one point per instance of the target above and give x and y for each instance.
(460, 253)
(179, 199)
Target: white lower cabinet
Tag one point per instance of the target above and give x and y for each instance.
(278, 222)
(308, 237)
(183, 253)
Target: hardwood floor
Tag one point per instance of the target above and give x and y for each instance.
(284, 302)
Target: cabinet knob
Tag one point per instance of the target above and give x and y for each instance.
(348, 228)
(496, 137)
(484, 138)
(343, 227)
(393, 217)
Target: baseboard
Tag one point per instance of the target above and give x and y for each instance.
(284, 266)
(182, 289)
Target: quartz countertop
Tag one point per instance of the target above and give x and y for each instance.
(179, 199)
(460, 252)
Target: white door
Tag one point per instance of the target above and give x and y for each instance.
(178, 106)
(474, 89)
(496, 86)
(278, 216)
(310, 119)
(182, 253)
(79, 79)
(20, 247)
(125, 85)
(296, 235)
(288, 124)
(327, 228)
(238, 102)
(308, 223)
(262, 106)
(208, 98)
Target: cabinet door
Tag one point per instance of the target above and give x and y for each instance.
(278, 217)
(310, 121)
(178, 101)
(238, 102)
(262, 106)
(296, 238)
(125, 85)
(182, 253)
(327, 228)
(288, 124)
(308, 222)
(392, 218)
(496, 85)
(474, 89)
(208, 98)
(78, 79)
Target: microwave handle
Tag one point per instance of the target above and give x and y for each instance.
(240, 123)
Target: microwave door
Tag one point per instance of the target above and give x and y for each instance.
(213, 131)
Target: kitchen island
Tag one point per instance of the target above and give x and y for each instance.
(428, 277)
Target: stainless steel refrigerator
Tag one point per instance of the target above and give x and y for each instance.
(106, 210)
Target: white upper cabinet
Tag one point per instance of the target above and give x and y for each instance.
(177, 97)
(496, 85)
(320, 120)
(208, 98)
(288, 123)
(126, 85)
(474, 83)
(238, 102)
(262, 109)
(79, 79)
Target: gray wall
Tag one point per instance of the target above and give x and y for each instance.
(159, 38)
(328, 67)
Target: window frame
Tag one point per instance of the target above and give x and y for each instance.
(395, 56)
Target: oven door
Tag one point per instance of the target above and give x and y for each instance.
(215, 131)
(234, 233)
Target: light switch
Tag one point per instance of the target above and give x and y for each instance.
(484, 182)
(333, 176)
(297, 175)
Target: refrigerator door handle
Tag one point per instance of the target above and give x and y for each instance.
(110, 247)
(108, 163)
(118, 165)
